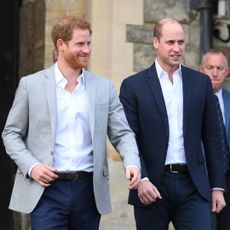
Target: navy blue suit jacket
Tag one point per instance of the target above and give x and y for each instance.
(144, 105)
(226, 99)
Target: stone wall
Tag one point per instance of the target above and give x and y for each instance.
(141, 35)
(122, 42)
(55, 10)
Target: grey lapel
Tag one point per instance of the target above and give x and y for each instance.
(50, 89)
(91, 94)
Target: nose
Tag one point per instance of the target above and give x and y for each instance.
(176, 47)
(214, 72)
(86, 48)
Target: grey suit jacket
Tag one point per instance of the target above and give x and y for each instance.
(29, 134)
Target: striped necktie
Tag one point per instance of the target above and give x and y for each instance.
(224, 143)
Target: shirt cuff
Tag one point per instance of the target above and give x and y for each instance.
(29, 171)
(218, 189)
(129, 166)
(145, 179)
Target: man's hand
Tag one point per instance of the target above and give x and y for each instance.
(133, 174)
(147, 192)
(218, 202)
(43, 174)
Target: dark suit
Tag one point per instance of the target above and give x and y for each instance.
(143, 101)
(226, 99)
(223, 220)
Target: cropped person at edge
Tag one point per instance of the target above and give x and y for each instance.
(214, 63)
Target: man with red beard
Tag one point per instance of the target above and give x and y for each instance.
(56, 133)
(172, 110)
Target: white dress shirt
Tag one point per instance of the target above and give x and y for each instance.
(173, 97)
(73, 144)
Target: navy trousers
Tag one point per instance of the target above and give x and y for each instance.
(181, 204)
(67, 205)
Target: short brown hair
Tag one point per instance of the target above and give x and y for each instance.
(63, 29)
(157, 31)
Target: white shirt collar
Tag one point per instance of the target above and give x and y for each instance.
(161, 72)
(219, 93)
(62, 81)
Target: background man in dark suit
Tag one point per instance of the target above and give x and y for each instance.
(171, 109)
(215, 65)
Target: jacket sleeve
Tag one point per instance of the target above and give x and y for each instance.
(15, 131)
(128, 99)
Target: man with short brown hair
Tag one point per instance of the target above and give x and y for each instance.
(171, 109)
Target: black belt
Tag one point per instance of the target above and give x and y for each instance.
(176, 168)
(73, 175)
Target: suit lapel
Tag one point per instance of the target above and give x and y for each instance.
(154, 85)
(186, 82)
(91, 95)
(50, 89)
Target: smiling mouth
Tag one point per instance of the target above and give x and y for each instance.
(84, 57)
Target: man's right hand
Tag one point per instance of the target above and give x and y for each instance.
(147, 192)
(43, 174)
